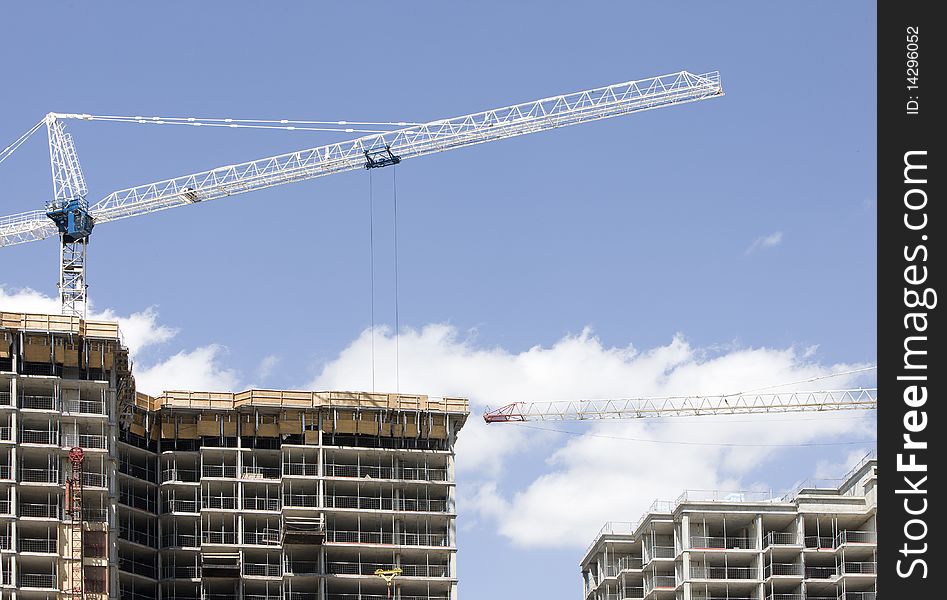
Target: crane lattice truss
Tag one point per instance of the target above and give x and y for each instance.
(436, 136)
(73, 586)
(686, 406)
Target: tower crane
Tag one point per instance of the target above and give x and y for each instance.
(686, 406)
(70, 215)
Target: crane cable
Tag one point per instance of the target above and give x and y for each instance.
(371, 251)
(9, 150)
(230, 123)
(394, 184)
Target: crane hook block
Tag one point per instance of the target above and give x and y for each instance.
(375, 159)
(72, 218)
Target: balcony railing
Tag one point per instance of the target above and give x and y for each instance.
(859, 568)
(137, 471)
(406, 473)
(6, 472)
(6, 399)
(301, 500)
(712, 572)
(387, 537)
(39, 476)
(301, 469)
(779, 538)
(145, 503)
(219, 537)
(46, 581)
(633, 592)
(39, 510)
(228, 471)
(179, 540)
(267, 537)
(782, 570)
(301, 567)
(851, 536)
(819, 542)
(38, 545)
(369, 597)
(270, 504)
(87, 441)
(662, 552)
(221, 502)
(6, 507)
(6, 433)
(661, 581)
(260, 473)
(138, 568)
(39, 436)
(407, 570)
(183, 475)
(100, 480)
(180, 506)
(627, 563)
(722, 542)
(394, 504)
(262, 570)
(821, 572)
(87, 407)
(180, 572)
(137, 536)
(39, 402)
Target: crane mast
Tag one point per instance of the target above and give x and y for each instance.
(73, 586)
(70, 216)
(686, 406)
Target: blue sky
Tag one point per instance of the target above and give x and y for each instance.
(745, 226)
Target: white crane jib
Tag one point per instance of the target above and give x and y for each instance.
(371, 151)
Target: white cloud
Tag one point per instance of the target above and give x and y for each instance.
(587, 480)
(766, 241)
(198, 369)
(266, 366)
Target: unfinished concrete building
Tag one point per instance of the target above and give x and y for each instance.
(268, 495)
(817, 543)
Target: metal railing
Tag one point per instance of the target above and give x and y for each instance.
(260, 473)
(183, 475)
(179, 540)
(859, 568)
(722, 542)
(85, 440)
(86, 407)
(780, 538)
(819, 541)
(139, 568)
(221, 502)
(100, 480)
(782, 569)
(137, 471)
(407, 570)
(39, 436)
(219, 537)
(713, 572)
(180, 506)
(38, 545)
(661, 552)
(6, 472)
(821, 572)
(146, 503)
(387, 537)
(270, 504)
(301, 500)
(6, 434)
(38, 580)
(262, 569)
(393, 504)
(6, 398)
(30, 402)
(6, 507)
(301, 469)
(661, 581)
(267, 537)
(39, 476)
(373, 597)
(373, 472)
(301, 567)
(853, 536)
(137, 536)
(228, 471)
(180, 572)
(633, 592)
(626, 563)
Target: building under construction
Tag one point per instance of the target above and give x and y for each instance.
(269, 495)
(818, 542)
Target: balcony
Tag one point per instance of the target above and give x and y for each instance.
(629, 563)
(39, 510)
(179, 475)
(180, 572)
(219, 502)
(219, 537)
(96, 480)
(301, 469)
(39, 402)
(821, 572)
(354, 568)
(266, 537)
(138, 568)
(40, 581)
(817, 542)
(144, 473)
(85, 441)
(39, 436)
(661, 552)
(260, 473)
(145, 503)
(267, 504)
(6, 399)
(782, 570)
(370, 472)
(859, 568)
(179, 540)
(219, 471)
(851, 536)
(6, 472)
(6, 434)
(366, 597)
(392, 504)
(779, 538)
(38, 545)
(703, 542)
(300, 500)
(85, 407)
(262, 570)
(714, 572)
(387, 537)
(180, 506)
(137, 536)
(666, 582)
